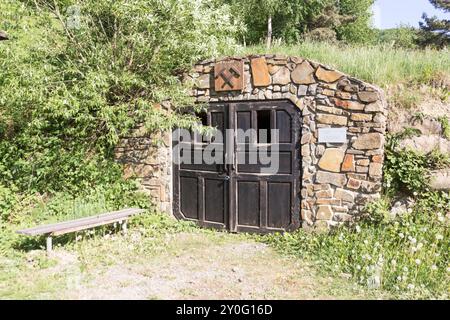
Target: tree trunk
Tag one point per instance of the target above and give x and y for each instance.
(269, 32)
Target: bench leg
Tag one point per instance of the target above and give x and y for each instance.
(49, 244)
(124, 227)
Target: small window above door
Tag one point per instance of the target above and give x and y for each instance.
(263, 126)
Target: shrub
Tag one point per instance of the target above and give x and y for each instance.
(76, 75)
(401, 37)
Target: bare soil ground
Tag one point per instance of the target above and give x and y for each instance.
(186, 265)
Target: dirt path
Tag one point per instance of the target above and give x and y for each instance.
(203, 266)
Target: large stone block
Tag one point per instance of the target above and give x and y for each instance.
(344, 195)
(368, 96)
(375, 169)
(303, 74)
(374, 107)
(282, 76)
(260, 72)
(324, 213)
(336, 179)
(328, 75)
(332, 159)
(332, 119)
(361, 117)
(369, 141)
(348, 165)
(350, 105)
(203, 82)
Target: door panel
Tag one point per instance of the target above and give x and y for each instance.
(279, 204)
(238, 196)
(248, 203)
(215, 192)
(189, 199)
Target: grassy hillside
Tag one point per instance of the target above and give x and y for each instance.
(380, 65)
(410, 77)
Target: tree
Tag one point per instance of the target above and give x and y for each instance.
(436, 32)
(323, 26)
(70, 90)
(359, 28)
(290, 20)
(281, 19)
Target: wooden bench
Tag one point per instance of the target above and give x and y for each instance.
(56, 229)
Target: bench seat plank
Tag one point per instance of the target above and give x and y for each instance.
(82, 223)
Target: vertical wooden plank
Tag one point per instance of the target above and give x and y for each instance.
(201, 198)
(263, 204)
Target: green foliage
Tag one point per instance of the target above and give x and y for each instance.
(289, 18)
(22, 211)
(407, 171)
(400, 37)
(436, 32)
(406, 253)
(76, 75)
(314, 19)
(359, 30)
(445, 126)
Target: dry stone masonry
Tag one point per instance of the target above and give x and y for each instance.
(149, 159)
(338, 179)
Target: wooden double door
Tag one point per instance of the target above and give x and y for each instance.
(255, 188)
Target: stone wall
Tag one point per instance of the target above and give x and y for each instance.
(149, 158)
(337, 178)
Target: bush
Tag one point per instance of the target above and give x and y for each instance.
(76, 75)
(401, 37)
(407, 255)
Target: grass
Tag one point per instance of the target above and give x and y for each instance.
(191, 263)
(382, 65)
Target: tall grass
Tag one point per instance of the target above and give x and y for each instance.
(381, 65)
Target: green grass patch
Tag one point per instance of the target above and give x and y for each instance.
(404, 253)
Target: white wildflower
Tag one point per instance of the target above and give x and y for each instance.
(358, 229)
(401, 235)
(394, 262)
(439, 237)
(411, 286)
(433, 267)
(417, 261)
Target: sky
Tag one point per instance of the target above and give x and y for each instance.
(391, 13)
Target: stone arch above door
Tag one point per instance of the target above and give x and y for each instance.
(341, 167)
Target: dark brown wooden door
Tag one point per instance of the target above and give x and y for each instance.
(239, 196)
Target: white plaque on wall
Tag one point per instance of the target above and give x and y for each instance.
(333, 135)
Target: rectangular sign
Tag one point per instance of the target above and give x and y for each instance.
(333, 135)
(229, 75)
